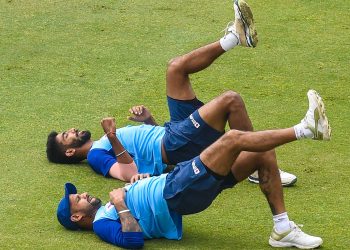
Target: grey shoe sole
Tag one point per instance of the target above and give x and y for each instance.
(248, 21)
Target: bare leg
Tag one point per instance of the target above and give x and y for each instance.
(178, 85)
(270, 183)
(221, 155)
(227, 107)
(226, 155)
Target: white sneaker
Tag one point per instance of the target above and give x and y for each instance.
(316, 119)
(243, 26)
(294, 238)
(287, 179)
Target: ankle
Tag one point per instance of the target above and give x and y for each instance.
(301, 132)
(229, 41)
(281, 223)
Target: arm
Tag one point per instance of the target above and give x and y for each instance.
(108, 125)
(123, 172)
(142, 114)
(129, 223)
(125, 168)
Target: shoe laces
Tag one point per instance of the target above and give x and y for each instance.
(228, 26)
(297, 228)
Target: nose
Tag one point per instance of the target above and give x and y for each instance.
(72, 130)
(84, 195)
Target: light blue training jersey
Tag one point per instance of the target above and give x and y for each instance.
(143, 143)
(145, 201)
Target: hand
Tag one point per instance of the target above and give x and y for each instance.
(137, 177)
(139, 114)
(108, 125)
(117, 196)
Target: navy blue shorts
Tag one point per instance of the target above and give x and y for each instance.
(186, 138)
(191, 187)
(180, 109)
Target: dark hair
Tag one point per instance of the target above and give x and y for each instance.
(56, 152)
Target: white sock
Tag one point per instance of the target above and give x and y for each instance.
(301, 132)
(229, 41)
(281, 223)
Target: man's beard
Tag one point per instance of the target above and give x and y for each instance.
(82, 139)
(95, 205)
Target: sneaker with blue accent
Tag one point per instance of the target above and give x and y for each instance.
(315, 118)
(295, 237)
(287, 179)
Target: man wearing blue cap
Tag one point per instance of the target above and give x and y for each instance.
(153, 207)
(149, 149)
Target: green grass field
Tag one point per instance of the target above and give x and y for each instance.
(70, 63)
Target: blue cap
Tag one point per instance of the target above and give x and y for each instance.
(63, 209)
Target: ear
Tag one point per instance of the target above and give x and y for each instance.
(70, 152)
(76, 217)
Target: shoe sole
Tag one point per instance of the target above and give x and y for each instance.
(246, 15)
(285, 184)
(275, 243)
(320, 116)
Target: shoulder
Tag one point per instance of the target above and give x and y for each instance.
(98, 153)
(101, 160)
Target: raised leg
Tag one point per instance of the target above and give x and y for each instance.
(228, 107)
(221, 155)
(178, 85)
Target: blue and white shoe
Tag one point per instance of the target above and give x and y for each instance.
(287, 179)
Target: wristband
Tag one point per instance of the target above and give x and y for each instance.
(124, 211)
(111, 132)
(121, 153)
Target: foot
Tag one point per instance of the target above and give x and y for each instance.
(294, 238)
(243, 26)
(287, 179)
(315, 119)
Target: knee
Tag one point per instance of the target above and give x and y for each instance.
(232, 99)
(175, 64)
(233, 139)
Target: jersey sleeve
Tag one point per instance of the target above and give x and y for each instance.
(111, 232)
(101, 161)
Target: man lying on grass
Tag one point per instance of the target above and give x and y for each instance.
(149, 149)
(153, 207)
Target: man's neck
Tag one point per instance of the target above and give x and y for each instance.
(84, 150)
(87, 223)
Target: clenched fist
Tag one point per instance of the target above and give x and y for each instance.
(108, 125)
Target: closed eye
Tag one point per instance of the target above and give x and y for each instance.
(64, 135)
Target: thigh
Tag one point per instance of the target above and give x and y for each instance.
(214, 113)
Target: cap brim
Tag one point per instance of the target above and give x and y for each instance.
(70, 189)
(63, 213)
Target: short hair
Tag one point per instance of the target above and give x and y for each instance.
(56, 152)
